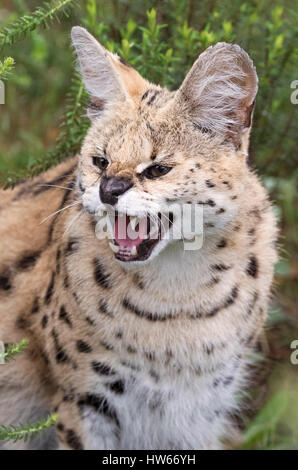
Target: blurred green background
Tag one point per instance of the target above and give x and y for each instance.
(43, 121)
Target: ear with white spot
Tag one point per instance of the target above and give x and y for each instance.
(219, 92)
(107, 78)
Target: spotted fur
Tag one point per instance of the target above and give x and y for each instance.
(145, 355)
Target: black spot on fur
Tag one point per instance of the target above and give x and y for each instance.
(73, 440)
(208, 348)
(211, 203)
(252, 303)
(138, 281)
(60, 427)
(228, 380)
(131, 349)
(35, 306)
(103, 308)
(232, 297)
(83, 347)
(202, 129)
(145, 94)
(198, 166)
(229, 301)
(61, 355)
(216, 382)
(101, 368)
(5, 283)
(228, 184)
(220, 267)
(150, 355)
(50, 290)
(100, 404)
(144, 314)
(107, 346)
(64, 316)
(153, 97)
(220, 211)
(96, 104)
(72, 246)
(155, 376)
(119, 334)
(101, 277)
(209, 184)
(170, 200)
(44, 356)
(44, 321)
(58, 256)
(66, 281)
(252, 267)
(131, 366)
(117, 387)
(22, 323)
(81, 187)
(69, 396)
(222, 243)
(28, 260)
(90, 321)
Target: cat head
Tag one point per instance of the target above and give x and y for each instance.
(149, 148)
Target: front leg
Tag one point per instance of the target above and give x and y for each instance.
(86, 422)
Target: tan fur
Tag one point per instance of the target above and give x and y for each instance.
(200, 332)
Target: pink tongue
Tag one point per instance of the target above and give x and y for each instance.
(123, 232)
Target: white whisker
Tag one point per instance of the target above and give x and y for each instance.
(55, 186)
(60, 210)
(73, 220)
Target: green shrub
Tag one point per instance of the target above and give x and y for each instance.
(43, 118)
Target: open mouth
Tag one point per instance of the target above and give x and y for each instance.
(134, 238)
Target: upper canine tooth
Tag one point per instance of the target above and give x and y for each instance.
(114, 248)
(133, 251)
(133, 221)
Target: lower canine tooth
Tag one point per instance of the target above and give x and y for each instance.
(114, 248)
(133, 221)
(133, 251)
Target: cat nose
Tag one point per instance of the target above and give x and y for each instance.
(112, 187)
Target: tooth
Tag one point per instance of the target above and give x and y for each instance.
(114, 248)
(133, 251)
(133, 221)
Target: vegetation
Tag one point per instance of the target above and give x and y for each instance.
(25, 432)
(43, 121)
(22, 431)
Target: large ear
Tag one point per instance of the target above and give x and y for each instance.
(219, 92)
(107, 78)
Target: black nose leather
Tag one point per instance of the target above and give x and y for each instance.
(111, 188)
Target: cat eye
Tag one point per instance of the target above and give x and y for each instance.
(100, 162)
(155, 171)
